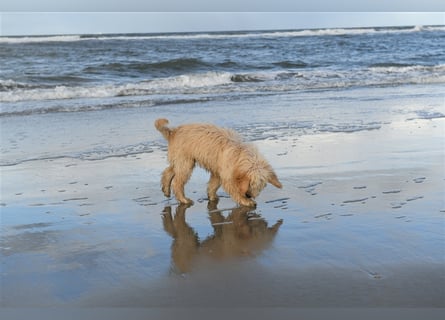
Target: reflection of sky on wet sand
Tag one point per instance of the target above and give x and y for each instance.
(395, 146)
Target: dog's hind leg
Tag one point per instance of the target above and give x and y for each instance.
(212, 186)
(166, 180)
(182, 173)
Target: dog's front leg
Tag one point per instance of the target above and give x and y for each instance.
(213, 186)
(178, 189)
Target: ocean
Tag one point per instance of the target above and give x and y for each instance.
(101, 75)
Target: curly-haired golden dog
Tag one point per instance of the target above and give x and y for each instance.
(232, 163)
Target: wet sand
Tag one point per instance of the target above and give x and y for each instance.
(358, 223)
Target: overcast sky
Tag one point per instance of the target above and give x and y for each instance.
(49, 17)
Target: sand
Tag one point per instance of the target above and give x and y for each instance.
(358, 223)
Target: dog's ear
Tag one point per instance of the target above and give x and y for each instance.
(273, 180)
(242, 182)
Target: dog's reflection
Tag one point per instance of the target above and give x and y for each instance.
(241, 233)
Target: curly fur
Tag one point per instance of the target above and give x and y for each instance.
(233, 164)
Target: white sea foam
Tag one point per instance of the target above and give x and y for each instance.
(389, 68)
(10, 84)
(224, 82)
(162, 85)
(38, 39)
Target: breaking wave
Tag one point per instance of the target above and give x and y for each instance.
(158, 86)
(220, 82)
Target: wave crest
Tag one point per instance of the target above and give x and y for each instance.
(218, 83)
(157, 86)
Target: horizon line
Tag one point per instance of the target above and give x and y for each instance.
(218, 31)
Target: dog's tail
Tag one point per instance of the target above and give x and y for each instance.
(161, 125)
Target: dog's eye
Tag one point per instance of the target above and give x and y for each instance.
(248, 195)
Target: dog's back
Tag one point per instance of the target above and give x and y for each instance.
(205, 143)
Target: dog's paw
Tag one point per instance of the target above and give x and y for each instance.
(213, 197)
(248, 202)
(166, 191)
(186, 201)
(167, 194)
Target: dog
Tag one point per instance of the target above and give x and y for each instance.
(233, 164)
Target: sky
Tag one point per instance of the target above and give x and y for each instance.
(55, 17)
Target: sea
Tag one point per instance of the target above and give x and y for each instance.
(310, 81)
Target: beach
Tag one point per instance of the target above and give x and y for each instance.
(362, 226)
(359, 222)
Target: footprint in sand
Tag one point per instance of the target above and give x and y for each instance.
(277, 200)
(75, 199)
(391, 191)
(414, 198)
(362, 200)
(326, 216)
(311, 188)
(419, 180)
